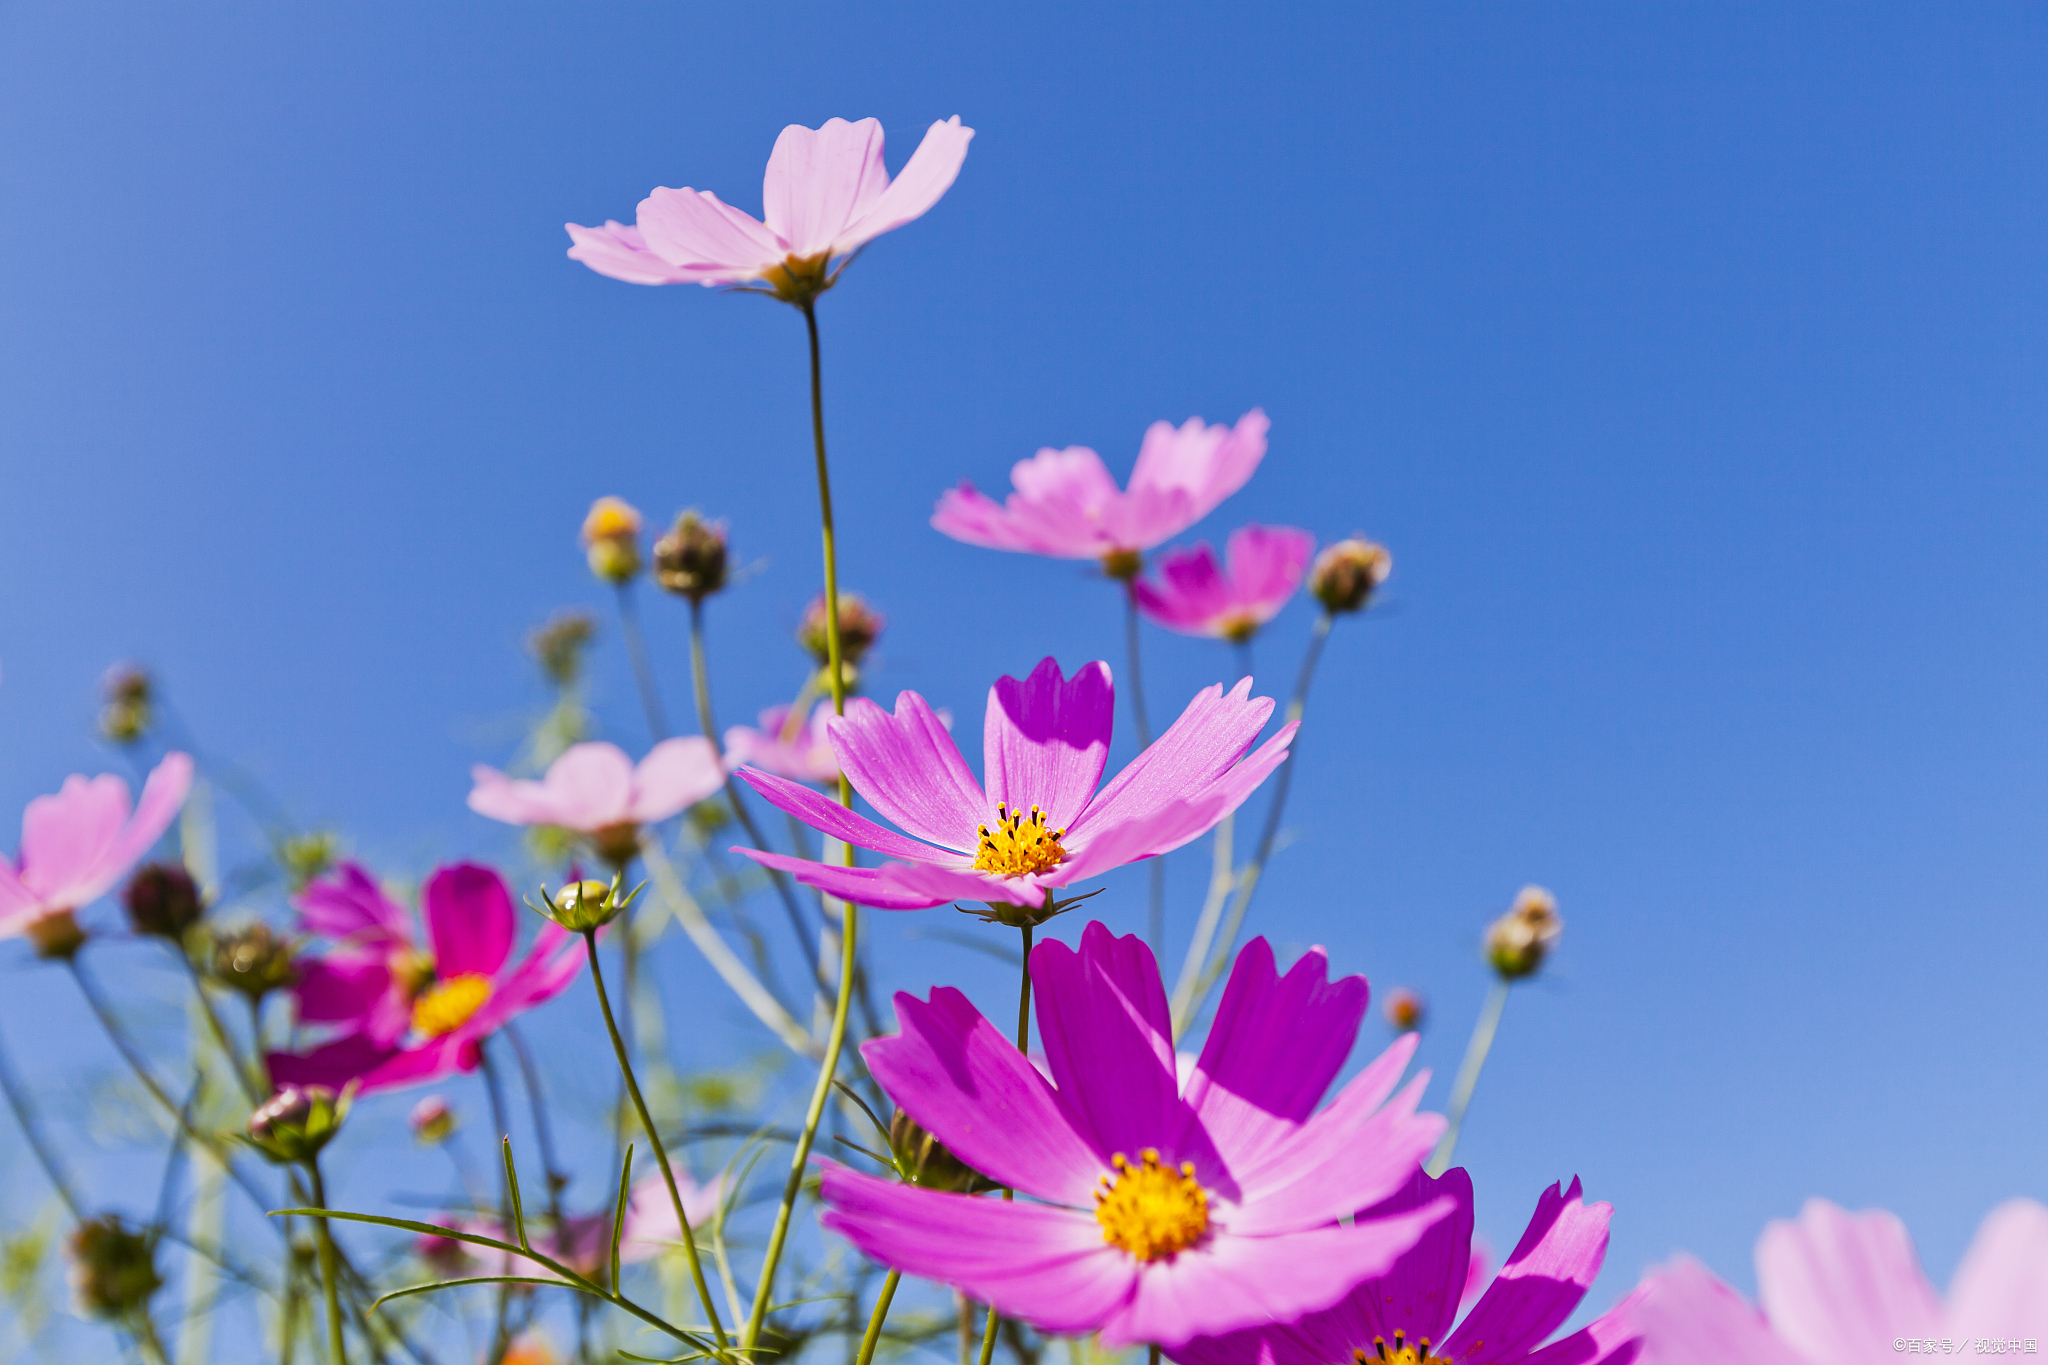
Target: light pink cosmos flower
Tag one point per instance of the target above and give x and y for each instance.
(1841, 1288)
(1169, 1211)
(595, 790)
(1067, 506)
(1039, 823)
(76, 844)
(826, 194)
(1196, 596)
(1406, 1314)
(805, 756)
(451, 1002)
(585, 1241)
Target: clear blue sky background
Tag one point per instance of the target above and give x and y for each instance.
(1688, 358)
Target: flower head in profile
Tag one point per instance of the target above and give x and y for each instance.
(595, 790)
(1159, 1211)
(801, 752)
(1839, 1288)
(1067, 506)
(78, 843)
(1405, 1314)
(826, 194)
(404, 1016)
(1197, 596)
(1036, 822)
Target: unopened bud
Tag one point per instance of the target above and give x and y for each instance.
(925, 1160)
(1346, 575)
(127, 692)
(163, 901)
(611, 539)
(1405, 1010)
(859, 626)
(113, 1267)
(690, 560)
(559, 644)
(251, 959)
(307, 857)
(1518, 941)
(296, 1122)
(586, 906)
(433, 1122)
(56, 935)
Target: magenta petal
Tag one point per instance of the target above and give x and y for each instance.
(952, 1071)
(1046, 739)
(349, 907)
(1108, 1037)
(1198, 748)
(2001, 1288)
(470, 920)
(334, 1064)
(1610, 1339)
(822, 813)
(1833, 1281)
(1543, 1280)
(910, 770)
(1270, 1345)
(1419, 1294)
(1687, 1317)
(1047, 1266)
(861, 885)
(819, 180)
(340, 988)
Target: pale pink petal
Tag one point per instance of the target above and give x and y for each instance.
(1206, 464)
(1267, 564)
(590, 786)
(512, 800)
(675, 775)
(470, 920)
(2001, 1288)
(1544, 1278)
(910, 770)
(1046, 739)
(15, 899)
(1418, 1295)
(1687, 1317)
(651, 1226)
(1138, 833)
(967, 514)
(163, 795)
(64, 837)
(924, 178)
(1210, 735)
(820, 180)
(861, 885)
(1840, 1285)
(1341, 1159)
(1108, 1036)
(822, 813)
(618, 250)
(349, 907)
(694, 229)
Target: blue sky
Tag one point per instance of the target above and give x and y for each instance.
(1688, 358)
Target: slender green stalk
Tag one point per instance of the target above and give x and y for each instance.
(1468, 1075)
(995, 1319)
(643, 665)
(543, 1130)
(668, 1174)
(877, 1318)
(501, 1334)
(25, 1116)
(330, 1273)
(147, 1339)
(250, 1085)
(1155, 897)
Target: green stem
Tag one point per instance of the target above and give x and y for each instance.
(250, 1085)
(668, 1175)
(643, 666)
(995, 1319)
(1155, 894)
(330, 1275)
(1468, 1075)
(25, 1115)
(877, 1318)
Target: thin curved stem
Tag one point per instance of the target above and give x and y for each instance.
(543, 1130)
(877, 1318)
(330, 1274)
(1155, 894)
(501, 1125)
(25, 1116)
(250, 1085)
(1468, 1075)
(995, 1319)
(643, 665)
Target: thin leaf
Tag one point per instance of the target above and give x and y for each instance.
(619, 1214)
(439, 1230)
(512, 1188)
(849, 1142)
(429, 1288)
(880, 1127)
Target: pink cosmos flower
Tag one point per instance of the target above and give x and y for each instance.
(585, 1242)
(1039, 823)
(1066, 505)
(826, 194)
(595, 790)
(1168, 1212)
(76, 844)
(1840, 1288)
(468, 989)
(1196, 596)
(1405, 1315)
(805, 756)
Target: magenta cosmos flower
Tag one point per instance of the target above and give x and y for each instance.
(1842, 1288)
(801, 755)
(1165, 1212)
(404, 1017)
(595, 790)
(1067, 506)
(1197, 596)
(77, 843)
(1405, 1315)
(1038, 823)
(826, 194)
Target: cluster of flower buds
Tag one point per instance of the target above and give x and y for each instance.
(295, 1123)
(1405, 1010)
(860, 625)
(1519, 941)
(432, 1121)
(126, 692)
(611, 540)
(585, 907)
(253, 959)
(1346, 575)
(113, 1268)
(163, 901)
(558, 645)
(690, 561)
(925, 1161)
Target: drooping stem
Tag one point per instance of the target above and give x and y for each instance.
(877, 1318)
(668, 1175)
(995, 1319)
(1468, 1075)
(25, 1117)
(330, 1272)
(643, 665)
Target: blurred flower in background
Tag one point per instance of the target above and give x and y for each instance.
(1197, 596)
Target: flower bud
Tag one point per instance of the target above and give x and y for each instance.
(56, 935)
(127, 692)
(859, 626)
(163, 901)
(611, 539)
(1518, 941)
(1346, 574)
(690, 560)
(586, 906)
(559, 644)
(927, 1161)
(113, 1267)
(1405, 1010)
(296, 1122)
(432, 1121)
(251, 959)
(306, 857)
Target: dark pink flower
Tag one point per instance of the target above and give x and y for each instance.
(466, 991)
(1039, 823)
(1157, 1212)
(1067, 506)
(76, 844)
(1196, 596)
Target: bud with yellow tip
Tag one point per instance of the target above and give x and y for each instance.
(1345, 575)
(611, 539)
(585, 907)
(1519, 941)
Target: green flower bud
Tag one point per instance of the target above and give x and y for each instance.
(163, 901)
(296, 1122)
(251, 959)
(927, 1162)
(113, 1267)
(690, 560)
(1519, 941)
(586, 906)
(1123, 565)
(859, 627)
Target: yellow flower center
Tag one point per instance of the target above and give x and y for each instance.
(1238, 627)
(448, 1006)
(1151, 1210)
(1017, 844)
(1400, 1353)
(799, 277)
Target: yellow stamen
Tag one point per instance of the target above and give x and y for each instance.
(1400, 1353)
(1151, 1210)
(1018, 844)
(448, 1006)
